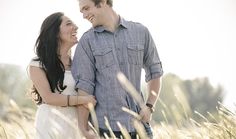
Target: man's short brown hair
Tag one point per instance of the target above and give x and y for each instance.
(109, 2)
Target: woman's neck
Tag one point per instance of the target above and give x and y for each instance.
(65, 58)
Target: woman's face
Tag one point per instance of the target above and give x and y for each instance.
(68, 32)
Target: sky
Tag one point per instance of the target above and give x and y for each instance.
(193, 38)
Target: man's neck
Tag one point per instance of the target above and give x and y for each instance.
(112, 21)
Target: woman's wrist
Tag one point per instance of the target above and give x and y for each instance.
(72, 100)
(68, 100)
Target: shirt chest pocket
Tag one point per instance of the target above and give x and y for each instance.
(104, 58)
(135, 54)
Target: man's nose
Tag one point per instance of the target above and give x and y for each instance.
(85, 15)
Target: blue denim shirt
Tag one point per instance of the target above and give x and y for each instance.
(100, 54)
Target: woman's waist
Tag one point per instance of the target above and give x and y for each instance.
(48, 106)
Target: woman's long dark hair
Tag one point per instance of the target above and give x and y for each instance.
(47, 48)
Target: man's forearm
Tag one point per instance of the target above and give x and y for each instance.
(153, 89)
(83, 114)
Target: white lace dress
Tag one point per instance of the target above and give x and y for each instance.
(56, 122)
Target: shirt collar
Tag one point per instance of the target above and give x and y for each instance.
(122, 23)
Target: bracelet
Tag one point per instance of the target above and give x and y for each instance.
(68, 100)
(77, 100)
(150, 106)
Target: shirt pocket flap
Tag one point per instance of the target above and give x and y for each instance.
(135, 47)
(135, 54)
(101, 52)
(103, 58)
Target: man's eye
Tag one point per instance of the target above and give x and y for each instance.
(86, 8)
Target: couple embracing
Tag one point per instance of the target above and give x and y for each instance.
(64, 86)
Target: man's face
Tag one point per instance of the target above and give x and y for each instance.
(90, 11)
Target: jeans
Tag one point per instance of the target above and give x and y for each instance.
(148, 130)
(118, 134)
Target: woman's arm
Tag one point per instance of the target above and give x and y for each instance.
(39, 79)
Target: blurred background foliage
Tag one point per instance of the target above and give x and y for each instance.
(179, 99)
(14, 85)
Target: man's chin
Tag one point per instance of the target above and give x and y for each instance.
(94, 24)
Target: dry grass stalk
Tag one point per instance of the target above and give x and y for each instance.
(124, 131)
(130, 89)
(94, 118)
(109, 128)
(140, 129)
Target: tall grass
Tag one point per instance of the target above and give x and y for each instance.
(224, 128)
(18, 123)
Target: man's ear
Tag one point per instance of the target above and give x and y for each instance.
(103, 2)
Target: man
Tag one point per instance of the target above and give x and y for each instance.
(114, 45)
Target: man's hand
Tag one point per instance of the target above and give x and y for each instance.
(89, 99)
(145, 114)
(90, 135)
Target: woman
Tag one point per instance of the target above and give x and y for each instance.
(53, 84)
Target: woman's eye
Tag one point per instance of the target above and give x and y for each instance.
(69, 23)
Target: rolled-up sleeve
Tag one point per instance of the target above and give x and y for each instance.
(152, 64)
(83, 67)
